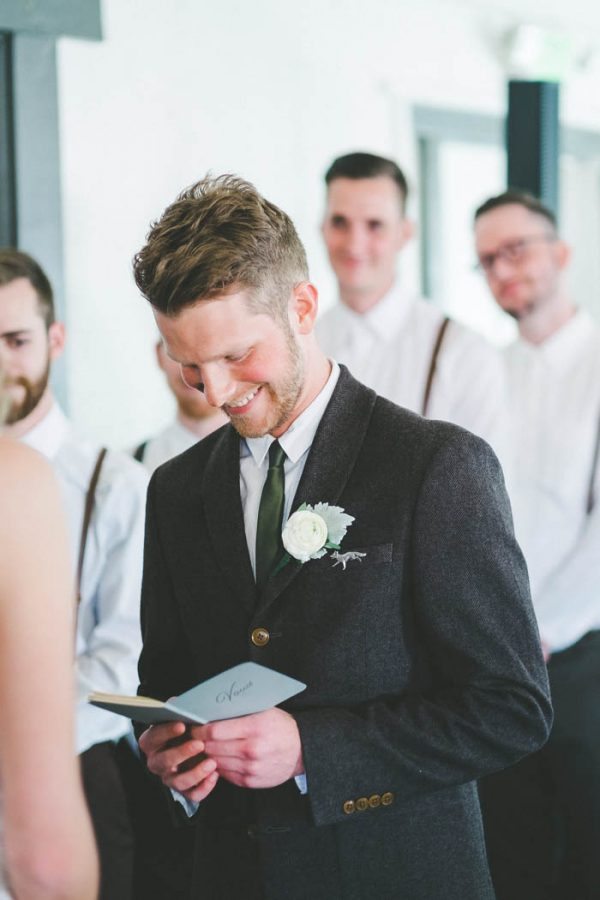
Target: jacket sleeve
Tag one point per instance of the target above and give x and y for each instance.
(487, 702)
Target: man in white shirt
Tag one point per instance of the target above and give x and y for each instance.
(397, 343)
(543, 815)
(195, 418)
(107, 585)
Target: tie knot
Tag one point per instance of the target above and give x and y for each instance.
(276, 455)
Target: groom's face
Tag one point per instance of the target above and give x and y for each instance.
(245, 362)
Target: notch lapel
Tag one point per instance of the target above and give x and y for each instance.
(330, 462)
(225, 517)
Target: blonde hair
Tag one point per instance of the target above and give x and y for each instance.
(220, 235)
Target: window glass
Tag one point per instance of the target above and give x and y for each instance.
(580, 225)
(469, 173)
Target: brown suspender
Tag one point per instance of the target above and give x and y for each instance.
(591, 498)
(90, 499)
(433, 364)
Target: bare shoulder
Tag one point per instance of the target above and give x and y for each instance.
(27, 483)
(19, 463)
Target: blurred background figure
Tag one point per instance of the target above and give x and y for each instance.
(104, 495)
(48, 844)
(392, 340)
(542, 816)
(195, 418)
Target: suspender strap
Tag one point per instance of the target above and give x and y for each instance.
(140, 451)
(433, 364)
(591, 499)
(90, 499)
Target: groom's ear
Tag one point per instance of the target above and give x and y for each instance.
(304, 306)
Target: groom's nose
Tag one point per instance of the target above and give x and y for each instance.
(219, 386)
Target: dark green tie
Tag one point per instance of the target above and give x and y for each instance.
(269, 548)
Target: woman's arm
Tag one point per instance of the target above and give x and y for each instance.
(50, 850)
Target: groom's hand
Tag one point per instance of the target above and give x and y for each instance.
(179, 760)
(257, 751)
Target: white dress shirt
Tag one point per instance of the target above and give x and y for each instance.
(555, 400)
(389, 348)
(172, 441)
(254, 466)
(108, 639)
(296, 443)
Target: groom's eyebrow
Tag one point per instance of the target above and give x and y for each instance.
(16, 333)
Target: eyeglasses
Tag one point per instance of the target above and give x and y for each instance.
(511, 252)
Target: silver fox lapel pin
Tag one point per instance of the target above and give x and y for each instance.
(345, 558)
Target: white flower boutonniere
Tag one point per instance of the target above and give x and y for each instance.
(313, 530)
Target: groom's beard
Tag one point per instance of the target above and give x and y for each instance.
(283, 395)
(34, 391)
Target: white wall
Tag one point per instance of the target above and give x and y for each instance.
(270, 90)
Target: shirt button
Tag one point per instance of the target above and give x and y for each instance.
(362, 803)
(260, 637)
(374, 801)
(387, 799)
(349, 807)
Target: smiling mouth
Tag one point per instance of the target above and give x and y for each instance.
(509, 289)
(238, 407)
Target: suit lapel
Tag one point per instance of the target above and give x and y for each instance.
(225, 518)
(330, 462)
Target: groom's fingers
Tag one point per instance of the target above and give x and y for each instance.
(192, 777)
(154, 737)
(202, 790)
(228, 729)
(169, 751)
(220, 749)
(176, 759)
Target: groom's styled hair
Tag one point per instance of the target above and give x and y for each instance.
(221, 236)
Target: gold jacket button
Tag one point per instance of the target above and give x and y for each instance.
(362, 803)
(387, 799)
(374, 801)
(260, 637)
(349, 807)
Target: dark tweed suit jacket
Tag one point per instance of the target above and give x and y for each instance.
(422, 661)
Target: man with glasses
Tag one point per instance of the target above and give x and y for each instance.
(542, 816)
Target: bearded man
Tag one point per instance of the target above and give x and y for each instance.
(400, 598)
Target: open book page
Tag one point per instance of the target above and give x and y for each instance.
(244, 689)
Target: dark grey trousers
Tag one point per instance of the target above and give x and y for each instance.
(542, 816)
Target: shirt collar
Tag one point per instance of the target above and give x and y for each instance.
(300, 435)
(386, 318)
(47, 436)
(563, 347)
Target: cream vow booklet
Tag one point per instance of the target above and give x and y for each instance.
(247, 688)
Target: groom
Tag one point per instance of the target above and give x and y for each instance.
(420, 653)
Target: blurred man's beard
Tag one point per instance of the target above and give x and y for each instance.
(34, 391)
(195, 408)
(521, 312)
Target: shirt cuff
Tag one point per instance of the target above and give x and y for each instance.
(301, 783)
(190, 806)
